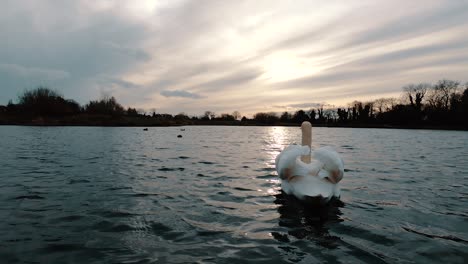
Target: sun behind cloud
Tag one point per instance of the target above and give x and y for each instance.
(285, 65)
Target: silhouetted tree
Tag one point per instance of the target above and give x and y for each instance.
(132, 112)
(440, 94)
(266, 118)
(285, 117)
(312, 115)
(181, 116)
(46, 102)
(415, 94)
(236, 115)
(342, 115)
(320, 118)
(208, 115)
(300, 116)
(106, 106)
(464, 107)
(226, 117)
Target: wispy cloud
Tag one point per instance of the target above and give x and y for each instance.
(180, 93)
(33, 72)
(301, 106)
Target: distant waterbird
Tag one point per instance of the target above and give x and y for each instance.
(310, 174)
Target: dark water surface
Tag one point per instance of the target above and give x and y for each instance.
(124, 195)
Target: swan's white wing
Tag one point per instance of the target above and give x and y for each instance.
(287, 158)
(332, 162)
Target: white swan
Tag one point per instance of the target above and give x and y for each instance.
(303, 177)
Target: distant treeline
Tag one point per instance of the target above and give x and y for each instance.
(442, 105)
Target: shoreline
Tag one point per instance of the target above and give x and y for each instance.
(172, 123)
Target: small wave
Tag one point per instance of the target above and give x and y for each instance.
(209, 233)
(445, 237)
(266, 169)
(171, 169)
(361, 188)
(351, 170)
(78, 181)
(206, 162)
(157, 227)
(165, 232)
(115, 214)
(92, 158)
(107, 226)
(143, 194)
(118, 188)
(68, 218)
(455, 213)
(242, 189)
(19, 240)
(268, 176)
(226, 197)
(33, 197)
(387, 203)
(55, 247)
(35, 172)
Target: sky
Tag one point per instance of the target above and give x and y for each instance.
(176, 56)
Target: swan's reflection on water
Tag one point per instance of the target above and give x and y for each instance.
(308, 220)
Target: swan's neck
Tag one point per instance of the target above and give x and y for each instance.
(306, 128)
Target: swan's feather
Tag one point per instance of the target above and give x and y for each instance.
(329, 157)
(287, 159)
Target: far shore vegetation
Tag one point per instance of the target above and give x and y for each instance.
(443, 105)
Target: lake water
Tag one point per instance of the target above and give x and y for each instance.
(124, 195)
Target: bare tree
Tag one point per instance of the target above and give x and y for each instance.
(415, 93)
(383, 105)
(379, 105)
(209, 115)
(370, 106)
(441, 93)
(237, 115)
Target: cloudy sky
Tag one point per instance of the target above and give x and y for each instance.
(251, 56)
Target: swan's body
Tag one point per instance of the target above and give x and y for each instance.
(319, 178)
